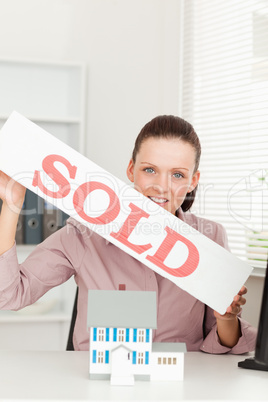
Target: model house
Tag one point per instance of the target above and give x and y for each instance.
(120, 325)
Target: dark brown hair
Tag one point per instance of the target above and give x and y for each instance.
(171, 127)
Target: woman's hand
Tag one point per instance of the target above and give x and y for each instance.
(235, 307)
(228, 326)
(11, 192)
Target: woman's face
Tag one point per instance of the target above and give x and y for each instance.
(164, 171)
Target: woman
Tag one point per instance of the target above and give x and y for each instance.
(164, 168)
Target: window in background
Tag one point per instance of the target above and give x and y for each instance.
(224, 85)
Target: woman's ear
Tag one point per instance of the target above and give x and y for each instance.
(130, 170)
(195, 180)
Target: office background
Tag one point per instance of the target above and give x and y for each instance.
(132, 49)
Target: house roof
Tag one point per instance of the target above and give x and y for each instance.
(177, 347)
(121, 309)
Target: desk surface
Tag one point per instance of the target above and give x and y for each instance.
(64, 376)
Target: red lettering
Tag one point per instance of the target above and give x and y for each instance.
(55, 175)
(129, 225)
(166, 246)
(84, 190)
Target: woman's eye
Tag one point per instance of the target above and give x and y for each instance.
(149, 170)
(177, 175)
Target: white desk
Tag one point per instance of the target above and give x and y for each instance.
(64, 376)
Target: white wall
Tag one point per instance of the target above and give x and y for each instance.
(251, 311)
(131, 48)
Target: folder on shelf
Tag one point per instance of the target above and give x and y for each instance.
(33, 222)
(50, 224)
(53, 219)
(62, 218)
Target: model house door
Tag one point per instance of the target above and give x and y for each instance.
(121, 366)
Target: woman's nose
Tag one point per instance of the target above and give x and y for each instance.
(162, 183)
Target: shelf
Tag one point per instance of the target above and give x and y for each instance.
(43, 63)
(27, 248)
(11, 318)
(52, 95)
(49, 94)
(47, 119)
(23, 250)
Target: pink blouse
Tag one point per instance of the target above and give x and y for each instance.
(98, 264)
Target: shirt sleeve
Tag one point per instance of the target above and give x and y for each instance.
(211, 343)
(51, 263)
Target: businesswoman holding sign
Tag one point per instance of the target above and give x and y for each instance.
(164, 168)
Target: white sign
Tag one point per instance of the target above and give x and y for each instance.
(120, 214)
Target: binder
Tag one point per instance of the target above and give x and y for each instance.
(50, 224)
(62, 218)
(20, 229)
(33, 223)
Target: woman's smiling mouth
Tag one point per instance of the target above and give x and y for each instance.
(158, 200)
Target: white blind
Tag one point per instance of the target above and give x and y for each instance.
(225, 96)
